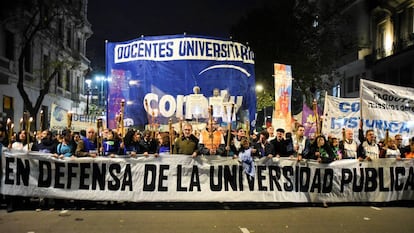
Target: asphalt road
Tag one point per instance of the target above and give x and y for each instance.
(170, 218)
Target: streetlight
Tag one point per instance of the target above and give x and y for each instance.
(102, 91)
(260, 88)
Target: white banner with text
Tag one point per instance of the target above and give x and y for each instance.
(179, 178)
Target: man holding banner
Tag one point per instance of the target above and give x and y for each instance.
(368, 149)
(348, 146)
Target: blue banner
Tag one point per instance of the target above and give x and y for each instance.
(158, 76)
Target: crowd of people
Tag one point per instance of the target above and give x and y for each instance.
(213, 140)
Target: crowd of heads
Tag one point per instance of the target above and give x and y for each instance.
(212, 140)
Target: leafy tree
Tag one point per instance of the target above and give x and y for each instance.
(303, 34)
(33, 21)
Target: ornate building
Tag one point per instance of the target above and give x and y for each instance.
(43, 44)
(380, 45)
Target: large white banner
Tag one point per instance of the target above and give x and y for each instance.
(205, 179)
(386, 106)
(340, 113)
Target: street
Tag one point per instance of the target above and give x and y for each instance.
(184, 217)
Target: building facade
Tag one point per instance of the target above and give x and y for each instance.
(56, 50)
(380, 46)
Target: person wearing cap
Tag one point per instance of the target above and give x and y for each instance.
(279, 144)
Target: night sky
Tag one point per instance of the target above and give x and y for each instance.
(123, 20)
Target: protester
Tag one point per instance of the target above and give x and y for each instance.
(334, 144)
(390, 149)
(65, 148)
(409, 152)
(46, 143)
(88, 145)
(188, 143)
(245, 157)
(301, 144)
(348, 147)
(235, 142)
(399, 143)
(321, 150)
(368, 149)
(21, 142)
(112, 145)
(271, 132)
(263, 148)
(163, 145)
(132, 142)
(148, 144)
(211, 141)
(279, 144)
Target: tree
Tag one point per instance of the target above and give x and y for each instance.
(35, 21)
(302, 34)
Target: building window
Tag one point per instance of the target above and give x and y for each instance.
(356, 83)
(59, 79)
(411, 20)
(77, 86)
(406, 76)
(79, 44)
(350, 84)
(28, 60)
(45, 71)
(9, 45)
(61, 27)
(67, 80)
(8, 105)
(384, 38)
(69, 37)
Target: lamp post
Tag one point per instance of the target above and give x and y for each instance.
(101, 79)
(260, 88)
(103, 88)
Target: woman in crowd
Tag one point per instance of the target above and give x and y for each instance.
(131, 141)
(65, 148)
(21, 142)
(321, 151)
(334, 143)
